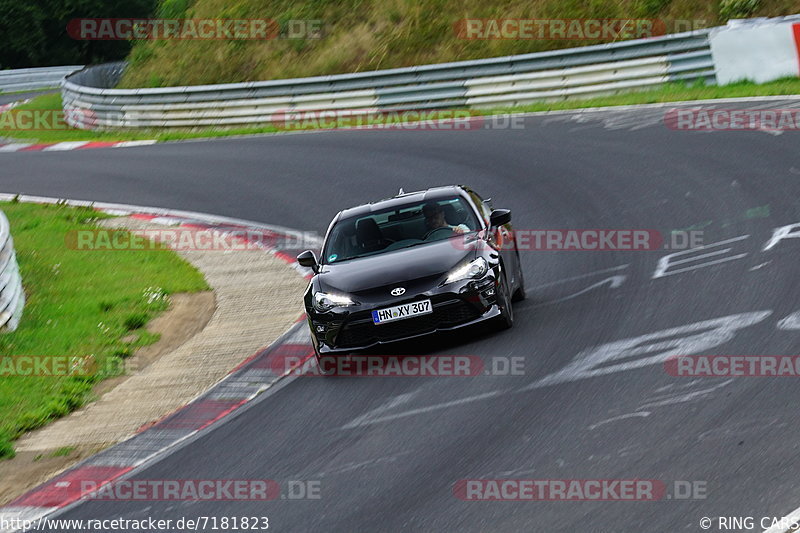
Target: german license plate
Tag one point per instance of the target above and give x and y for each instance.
(399, 312)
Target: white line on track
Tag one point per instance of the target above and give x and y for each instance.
(63, 146)
(13, 147)
(671, 399)
(126, 144)
(788, 520)
(581, 276)
(613, 282)
(371, 418)
(369, 415)
(638, 414)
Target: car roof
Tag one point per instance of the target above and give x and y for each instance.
(403, 199)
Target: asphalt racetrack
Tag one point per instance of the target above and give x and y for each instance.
(387, 452)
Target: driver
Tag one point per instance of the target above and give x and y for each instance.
(434, 219)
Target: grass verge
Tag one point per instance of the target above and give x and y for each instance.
(51, 127)
(671, 92)
(78, 304)
(359, 36)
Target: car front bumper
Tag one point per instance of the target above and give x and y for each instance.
(460, 304)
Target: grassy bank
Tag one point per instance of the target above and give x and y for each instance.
(78, 304)
(363, 35)
(665, 94)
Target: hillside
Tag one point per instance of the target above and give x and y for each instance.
(360, 35)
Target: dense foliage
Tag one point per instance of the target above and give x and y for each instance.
(34, 32)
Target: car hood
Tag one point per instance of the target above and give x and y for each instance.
(416, 269)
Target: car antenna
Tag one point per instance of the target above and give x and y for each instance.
(401, 192)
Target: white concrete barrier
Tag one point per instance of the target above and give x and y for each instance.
(756, 50)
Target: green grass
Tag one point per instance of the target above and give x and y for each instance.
(78, 304)
(52, 102)
(361, 35)
(26, 91)
(673, 92)
(63, 452)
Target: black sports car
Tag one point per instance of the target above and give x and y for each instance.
(414, 264)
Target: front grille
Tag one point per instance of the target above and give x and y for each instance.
(446, 314)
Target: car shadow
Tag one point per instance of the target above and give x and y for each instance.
(435, 343)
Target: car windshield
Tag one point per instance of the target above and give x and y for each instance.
(399, 227)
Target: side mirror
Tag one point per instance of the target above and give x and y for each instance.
(308, 259)
(500, 217)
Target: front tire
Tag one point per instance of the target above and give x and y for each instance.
(519, 294)
(506, 318)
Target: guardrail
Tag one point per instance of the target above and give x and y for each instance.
(91, 102)
(34, 79)
(12, 296)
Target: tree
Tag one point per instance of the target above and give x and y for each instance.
(35, 33)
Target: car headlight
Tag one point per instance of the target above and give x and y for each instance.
(471, 270)
(324, 301)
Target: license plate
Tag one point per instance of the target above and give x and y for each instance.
(399, 312)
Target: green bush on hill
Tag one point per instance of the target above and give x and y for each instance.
(360, 35)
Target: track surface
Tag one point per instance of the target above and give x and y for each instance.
(395, 470)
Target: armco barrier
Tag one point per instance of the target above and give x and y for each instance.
(91, 102)
(12, 297)
(34, 79)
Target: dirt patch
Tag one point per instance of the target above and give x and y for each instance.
(187, 315)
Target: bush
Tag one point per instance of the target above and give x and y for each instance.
(135, 321)
(738, 9)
